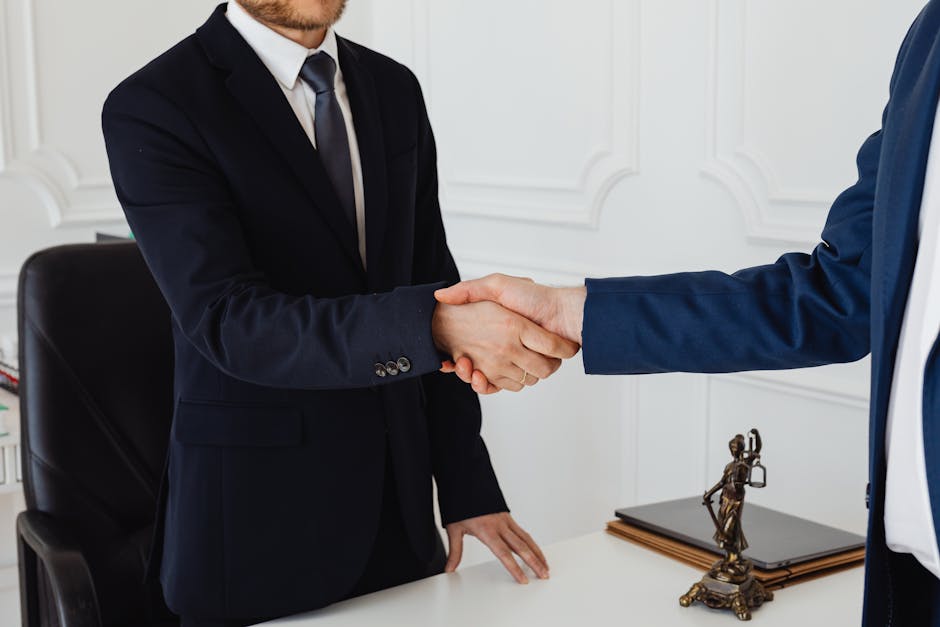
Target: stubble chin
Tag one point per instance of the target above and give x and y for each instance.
(280, 13)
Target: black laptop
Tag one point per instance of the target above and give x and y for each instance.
(775, 539)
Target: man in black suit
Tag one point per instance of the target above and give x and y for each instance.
(281, 183)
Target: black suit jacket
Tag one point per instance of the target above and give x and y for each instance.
(277, 452)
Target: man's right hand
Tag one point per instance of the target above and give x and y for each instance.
(559, 310)
(510, 350)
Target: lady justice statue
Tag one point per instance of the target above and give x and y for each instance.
(729, 584)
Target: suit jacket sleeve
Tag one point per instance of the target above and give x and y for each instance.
(186, 224)
(466, 483)
(804, 310)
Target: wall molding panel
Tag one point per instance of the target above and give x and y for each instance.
(734, 162)
(807, 390)
(547, 193)
(782, 127)
(69, 196)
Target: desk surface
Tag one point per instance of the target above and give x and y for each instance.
(596, 580)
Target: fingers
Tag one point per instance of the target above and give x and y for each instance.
(536, 366)
(448, 367)
(527, 553)
(481, 384)
(454, 548)
(500, 533)
(464, 369)
(503, 553)
(503, 347)
(522, 533)
(543, 342)
(505, 383)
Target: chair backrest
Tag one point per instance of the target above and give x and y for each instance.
(96, 405)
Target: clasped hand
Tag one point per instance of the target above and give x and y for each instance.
(506, 333)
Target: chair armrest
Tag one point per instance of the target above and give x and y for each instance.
(73, 591)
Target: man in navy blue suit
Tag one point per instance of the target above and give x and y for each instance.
(281, 182)
(871, 285)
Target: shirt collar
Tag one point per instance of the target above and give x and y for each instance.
(283, 58)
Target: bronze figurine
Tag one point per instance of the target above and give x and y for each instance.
(730, 584)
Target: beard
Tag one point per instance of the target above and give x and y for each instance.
(281, 13)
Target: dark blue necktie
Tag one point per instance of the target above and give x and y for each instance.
(329, 128)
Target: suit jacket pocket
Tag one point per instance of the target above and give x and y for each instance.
(208, 423)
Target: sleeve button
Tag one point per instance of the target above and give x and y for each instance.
(380, 370)
(392, 368)
(404, 364)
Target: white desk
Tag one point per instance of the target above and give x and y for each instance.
(596, 580)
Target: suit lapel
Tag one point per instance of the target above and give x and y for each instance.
(913, 114)
(365, 109)
(258, 93)
(908, 130)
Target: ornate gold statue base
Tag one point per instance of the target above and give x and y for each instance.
(740, 594)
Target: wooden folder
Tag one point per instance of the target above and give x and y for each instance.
(703, 560)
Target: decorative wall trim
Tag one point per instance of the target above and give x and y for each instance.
(792, 388)
(69, 197)
(576, 201)
(772, 212)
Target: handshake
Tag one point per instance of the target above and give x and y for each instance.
(506, 333)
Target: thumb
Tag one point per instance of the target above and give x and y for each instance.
(454, 549)
(459, 294)
(472, 291)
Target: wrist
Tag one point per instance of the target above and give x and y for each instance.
(570, 303)
(439, 327)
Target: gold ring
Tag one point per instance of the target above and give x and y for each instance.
(525, 375)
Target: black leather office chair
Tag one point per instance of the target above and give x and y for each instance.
(96, 405)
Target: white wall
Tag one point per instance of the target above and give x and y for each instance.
(603, 137)
(617, 137)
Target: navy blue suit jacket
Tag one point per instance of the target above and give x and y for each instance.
(277, 453)
(839, 303)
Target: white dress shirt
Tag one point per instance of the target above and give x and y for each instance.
(284, 59)
(908, 516)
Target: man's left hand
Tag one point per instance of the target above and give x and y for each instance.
(504, 537)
